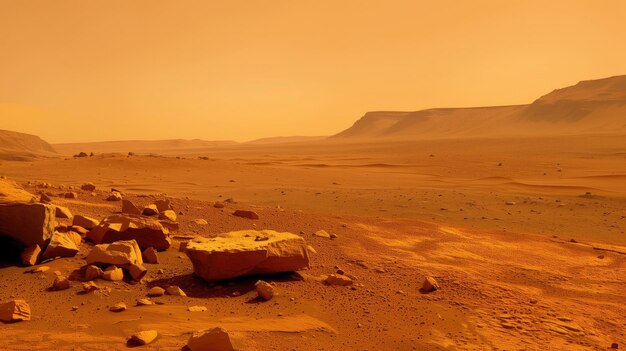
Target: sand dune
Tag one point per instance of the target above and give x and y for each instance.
(20, 146)
(589, 107)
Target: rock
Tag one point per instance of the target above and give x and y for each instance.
(60, 283)
(218, 204)
(150, 210)
(118, 307)
(144, 302)
(85, 222)
(14, 311)
(430, 284)
(88, 187)
(216, 339)
(163, 205)
(62, 212)
(137, 271)
(40, 269)
(71, 195)
(75, 237)
(113, 273)
(149, 255)
(247, 252)
(510, 203)
(119, 253)
(30, 255)
(143, 337)
(45, 198)
(93, 272)
(183, 246)
(115, 196)
(246, 214)
(322, 234)
(615, 346)
(311, 250)
(61, 245)
(130, 208)
(264, 289)
(156, 291)
(168, 215)
(200, 221)
(174, 290)
(338, 279)
(21, 218)
(80, 230)
(147, 232)
(89, 287)
(197, 309)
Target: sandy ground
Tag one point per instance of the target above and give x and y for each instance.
(511, 277)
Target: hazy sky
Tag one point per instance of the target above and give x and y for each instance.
(119, 69)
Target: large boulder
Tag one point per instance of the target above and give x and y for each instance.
(85, 222)
(21, 218)
(121, 253)
(147, 232)
(216, 339)
(247, 252)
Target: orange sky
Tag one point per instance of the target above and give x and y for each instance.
(118, 69)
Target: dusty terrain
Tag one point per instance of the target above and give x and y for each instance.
(496, 237)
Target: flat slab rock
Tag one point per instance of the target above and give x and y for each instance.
(247, 252)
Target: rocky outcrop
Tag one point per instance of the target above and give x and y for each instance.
(247, 252)
(147, 232)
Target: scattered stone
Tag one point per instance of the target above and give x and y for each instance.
(129, 208)
(118, 307)
(85, 222)
(119, 253)
(247, 252)
(156, 291)
(75, 237)
(137, 271)
(45, 198)
(93, 272)
(14, 311)
(60, 283)
(149, 255)
(338, 279)
(62, 212)
(197, 309)
(115, 196)
(216, 339)
(333, 236)
(71, 195)
(147, 232)
(80, 230)
(246, 214)
(150, 210)
(168, 215)
(113, 273)
(183, 246)
(264, 289)
(40, 269)
(311, 249)
(201, 221)
(510, 203)
(88, 187)
(61, 245)
(615, 346)
(174, 290)
(163, 205)
(218, 204)
(30, 255)
(144, 302)
(89, 287)
(322, 234)
(143, 337)
(430, 284)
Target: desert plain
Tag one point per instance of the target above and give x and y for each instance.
(523, 232)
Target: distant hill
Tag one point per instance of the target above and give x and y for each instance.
(162, 147)
(594, 106)
(20, 146)
(288, 139)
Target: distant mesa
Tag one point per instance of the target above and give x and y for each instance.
(589, 107)
(23, 147)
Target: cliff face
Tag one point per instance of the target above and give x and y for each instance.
(595, 106)
(20, 146)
